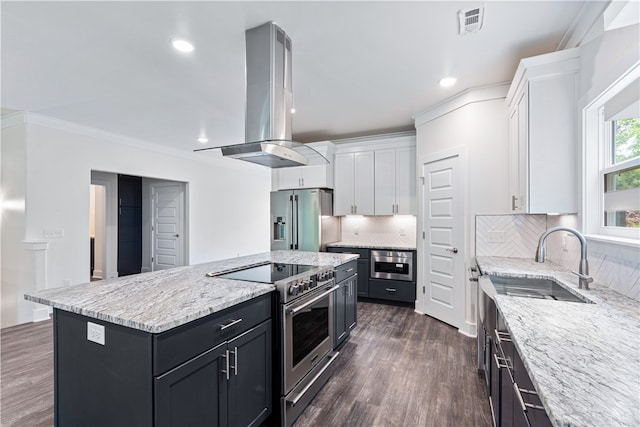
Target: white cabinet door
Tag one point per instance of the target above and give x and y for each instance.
(385, 182)
(315, 177)
(542, 135)
(290, 178)
(344, 184)
(405, 178)
(363, 183)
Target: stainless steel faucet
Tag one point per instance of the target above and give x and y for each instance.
(583, 269)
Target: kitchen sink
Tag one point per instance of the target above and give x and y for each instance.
(534, 288)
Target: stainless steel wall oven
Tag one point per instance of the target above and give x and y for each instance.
(392, 265)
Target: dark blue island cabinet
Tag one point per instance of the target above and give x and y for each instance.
(213, 371)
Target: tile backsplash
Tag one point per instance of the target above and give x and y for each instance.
(396, 230)
(616, 266)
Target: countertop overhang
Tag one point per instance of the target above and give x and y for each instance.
(584, 359)
(161, 300)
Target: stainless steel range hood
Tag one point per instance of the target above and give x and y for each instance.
(269, 103)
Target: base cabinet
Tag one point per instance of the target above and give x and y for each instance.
(214, 371)
(362, 268)
(512, 396)
(230, 380)
(346, 305)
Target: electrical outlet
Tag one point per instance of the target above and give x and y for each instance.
(95, 333)
(402, 233)
(356, 230)
(66, 282)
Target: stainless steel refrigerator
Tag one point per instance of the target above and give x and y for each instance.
(303, 220)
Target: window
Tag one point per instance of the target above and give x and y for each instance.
(621, 175)
(611, 180)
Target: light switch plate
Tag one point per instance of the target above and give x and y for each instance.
(95, 333)
(54, 234)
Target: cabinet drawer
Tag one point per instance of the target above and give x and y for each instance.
(363, 252)
(347, 270)
(185, 342)
(392, 290)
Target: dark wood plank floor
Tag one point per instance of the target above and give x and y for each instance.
(26, 375)
(398, 369)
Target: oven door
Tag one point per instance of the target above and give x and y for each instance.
(392, 265)
(307, 334)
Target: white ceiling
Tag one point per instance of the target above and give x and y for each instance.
(358, 67)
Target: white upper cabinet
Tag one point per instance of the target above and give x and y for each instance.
(317, 176)
(375, 176)
(353, 192)
(395, 176)
(542, 134)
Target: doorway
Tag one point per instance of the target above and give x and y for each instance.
(124, 211)
(441, 292)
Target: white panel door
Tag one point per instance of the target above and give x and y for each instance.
(443, 284)
(168, 228)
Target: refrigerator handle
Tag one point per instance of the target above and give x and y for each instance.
(295, 225)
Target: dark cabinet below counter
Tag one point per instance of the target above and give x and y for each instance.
(215, 371)
(363, 266)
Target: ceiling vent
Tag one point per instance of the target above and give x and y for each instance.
(471, 20)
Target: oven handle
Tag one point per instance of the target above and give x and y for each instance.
(310, 302)
(295, 400)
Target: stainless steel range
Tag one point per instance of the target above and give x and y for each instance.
(305, 317)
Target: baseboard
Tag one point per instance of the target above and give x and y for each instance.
(469, 329)
(40, 314)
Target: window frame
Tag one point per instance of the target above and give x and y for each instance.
(597, 162)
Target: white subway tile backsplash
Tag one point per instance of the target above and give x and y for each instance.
(394, 230)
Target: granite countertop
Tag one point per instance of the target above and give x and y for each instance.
(160, 300)
(584, 359)
(372, 245)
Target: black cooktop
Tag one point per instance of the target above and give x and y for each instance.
(268, 273)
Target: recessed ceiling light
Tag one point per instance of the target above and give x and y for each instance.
(448, 81)
(293, 111)
(182, 45)
(203, 140)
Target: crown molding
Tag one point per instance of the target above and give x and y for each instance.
(28, 118)
(466, 97)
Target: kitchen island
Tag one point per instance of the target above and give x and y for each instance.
(126, 349)
(582, 358)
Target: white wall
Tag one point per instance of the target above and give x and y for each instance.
(15, 260)
(481, 127)
(228, 199)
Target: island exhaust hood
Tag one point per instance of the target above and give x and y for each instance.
(269, 102)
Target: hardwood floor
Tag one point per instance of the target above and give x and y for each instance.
(26, 375)
(398, 369)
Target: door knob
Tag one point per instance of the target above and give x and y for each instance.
(177, 235)
(452, 250)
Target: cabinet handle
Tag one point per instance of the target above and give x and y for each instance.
(349, 270)
(500, 338)
(391, 289)
(516, 389)
(513, 203)
(226, 359)
(355, 209)
(230, 324)
(235, 361)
